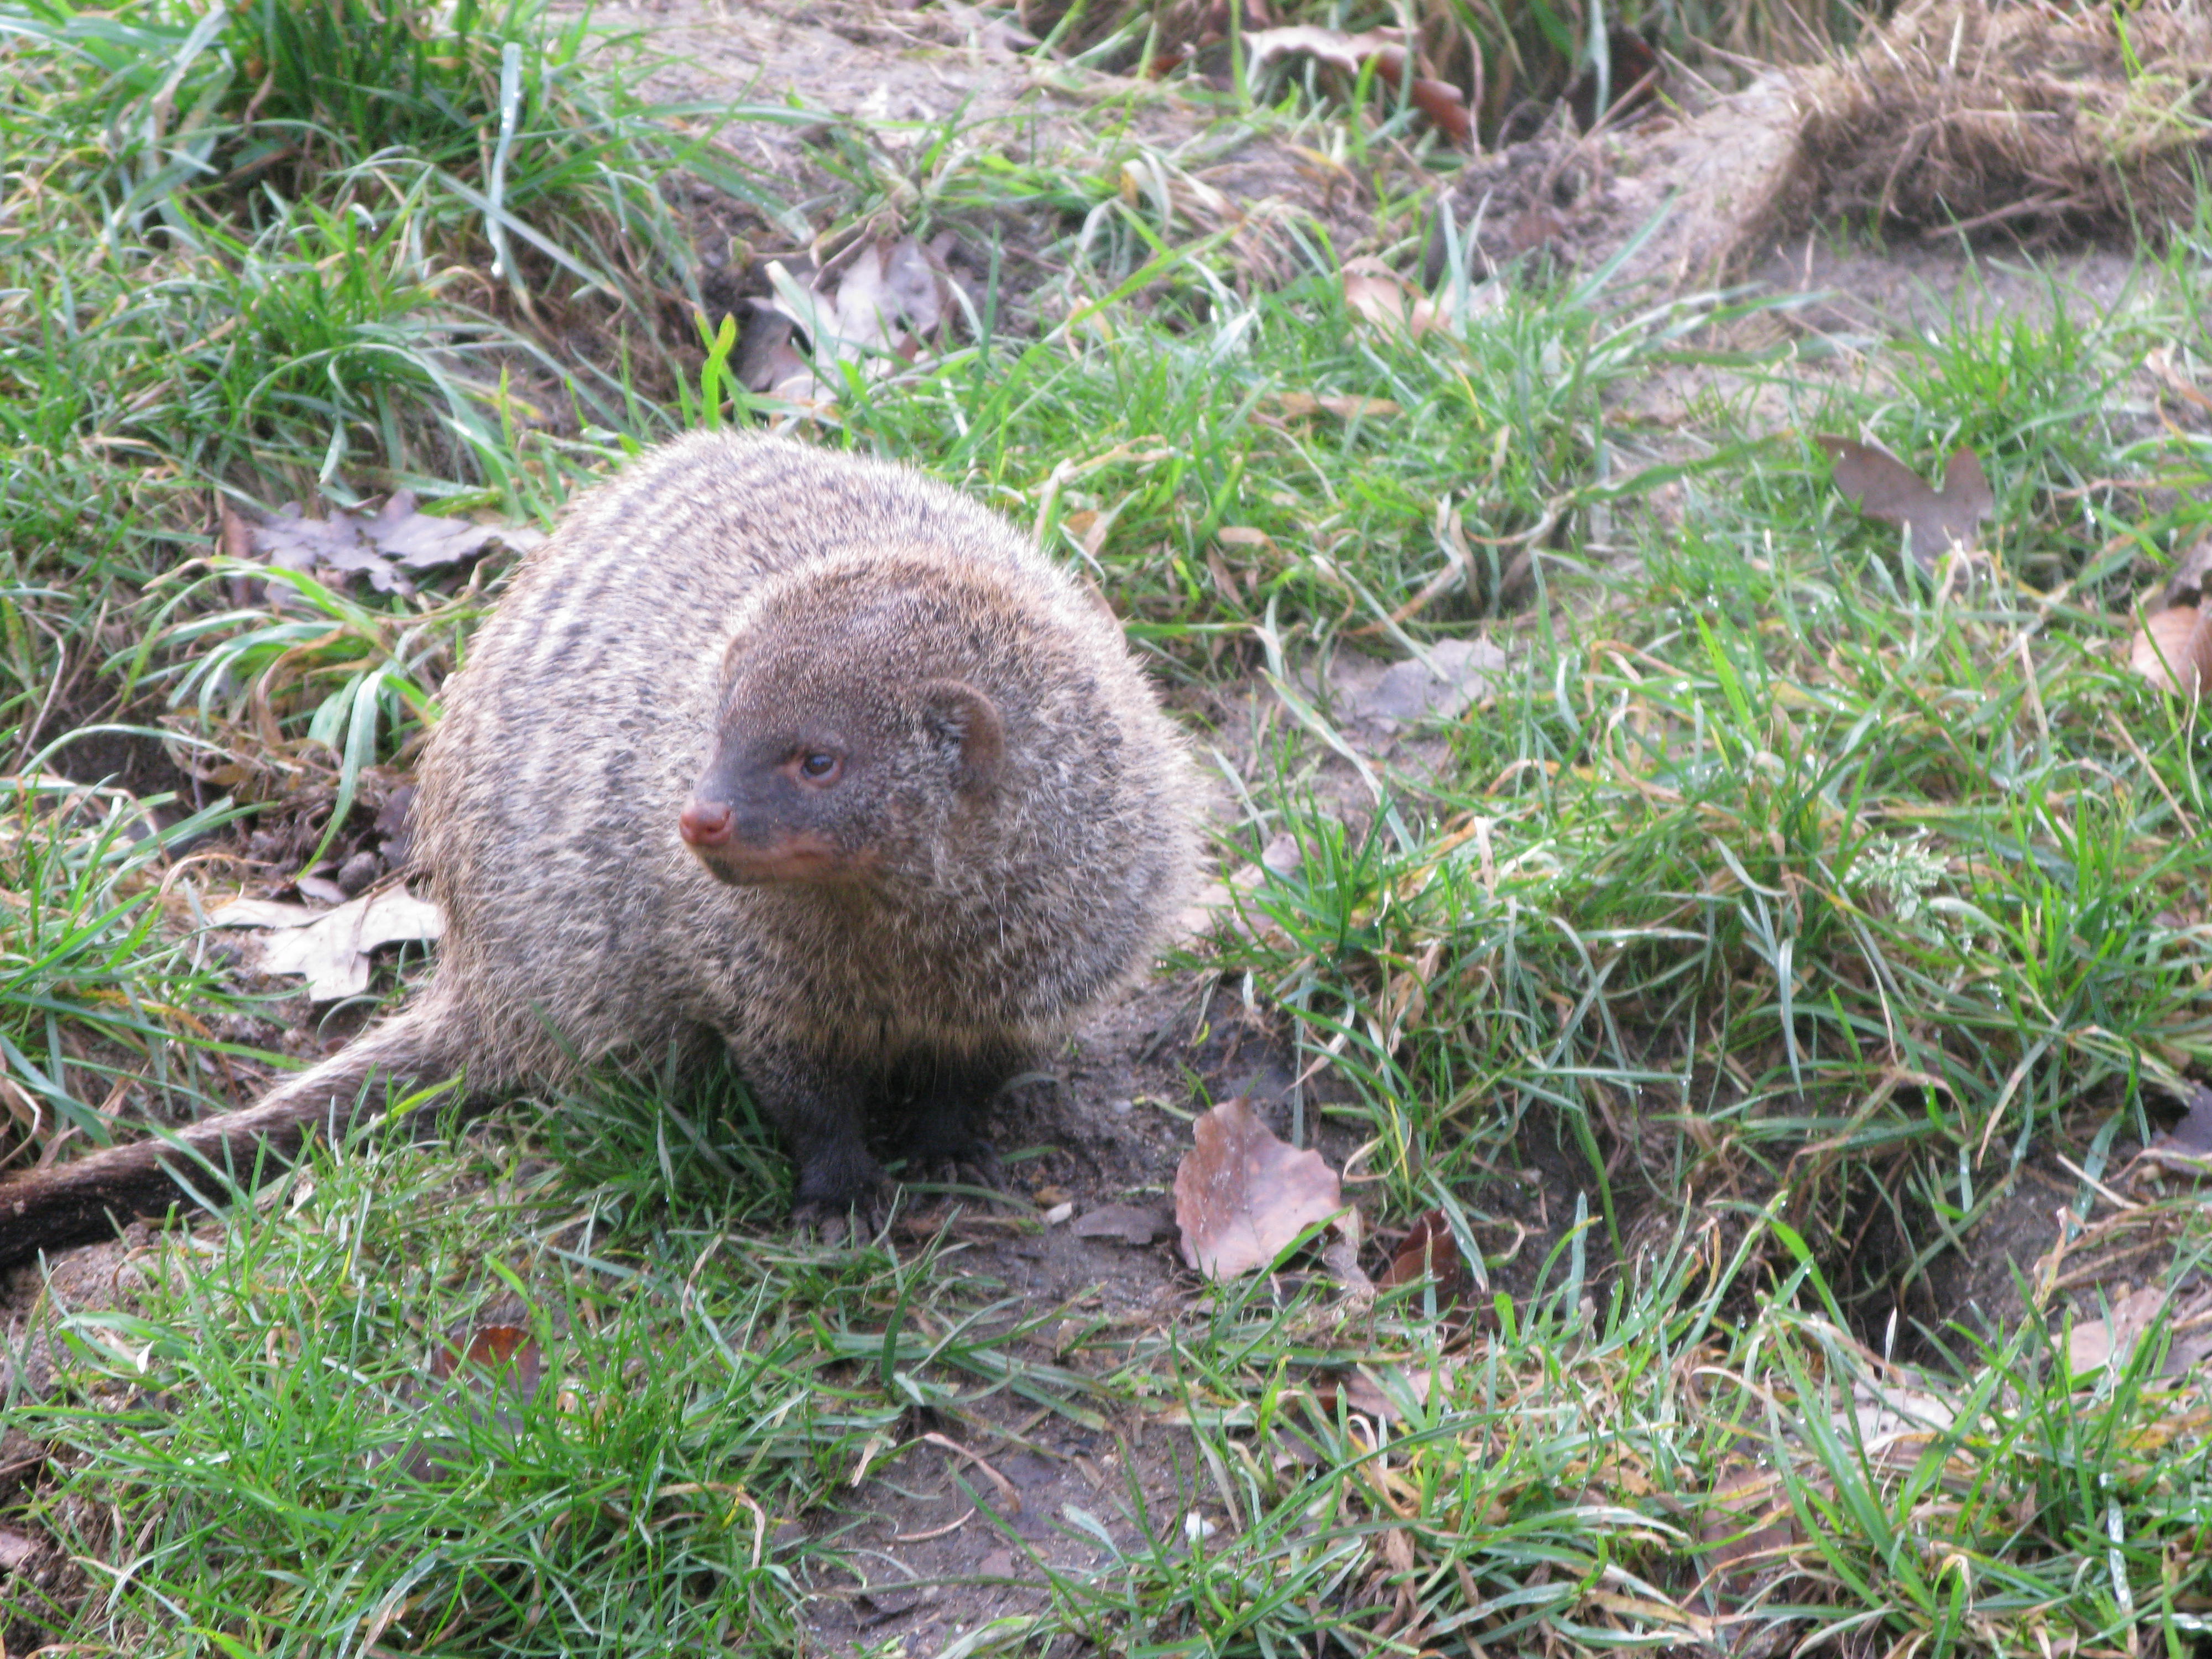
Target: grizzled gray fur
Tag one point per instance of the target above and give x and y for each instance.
(803, 754)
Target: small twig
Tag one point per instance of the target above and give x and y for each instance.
(2015, 210)
(1007, 1495)
(935, 1532)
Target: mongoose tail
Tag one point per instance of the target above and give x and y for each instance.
(86, 1200)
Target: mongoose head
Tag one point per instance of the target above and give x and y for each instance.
(829, 765)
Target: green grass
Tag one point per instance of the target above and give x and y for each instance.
(1777, 914)
(328, 1488)
(103, 1001)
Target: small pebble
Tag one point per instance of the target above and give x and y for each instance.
(357, 872)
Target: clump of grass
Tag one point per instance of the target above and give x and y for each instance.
(290, 247)
(1876, 889)
(1216, 502)
(1512, 61)
(312, 1467)
(260, 255)
(102, 1005)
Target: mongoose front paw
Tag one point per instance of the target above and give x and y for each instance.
(855, 1209)
(833, 1225)
(973, 1163)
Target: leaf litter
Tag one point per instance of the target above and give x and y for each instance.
(486, 1383)
(878, 303)
(331, 948)
(1936, 521)
(390, 546)
(1243, 1196)
(2173, 649)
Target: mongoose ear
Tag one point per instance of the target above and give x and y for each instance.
(968, 719)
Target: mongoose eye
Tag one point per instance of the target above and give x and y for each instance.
(818, 766)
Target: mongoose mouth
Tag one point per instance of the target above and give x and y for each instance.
(793, 855)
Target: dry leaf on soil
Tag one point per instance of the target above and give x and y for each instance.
(1411, 1381)
(2186, 585)
(331, 947)
(507, 1353)
(2094, 1344)
(2186, 1149)
(1452, 675)
(1429, 1252)
(1884, 488)
(1387, 302)
(488, 1380)
(2173, 650)
(953, 23)
(2192, 1136)
(1445, 104)
(383, 545)
(1219, 901)
(1243, 1195)
(2161, 362)
(878, 301)
(1748, 1524)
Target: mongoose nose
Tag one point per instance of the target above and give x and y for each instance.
(705, 823)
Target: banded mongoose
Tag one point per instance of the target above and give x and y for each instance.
(800, 753)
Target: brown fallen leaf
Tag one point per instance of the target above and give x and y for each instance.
(2094, 1344)
(1387, 302)
(1299, 405)
(492, 1349)
(1884, 488)
(1359, 409)
(1748, 1524)
(2161, 362)
(489, 1379)
(1243, 1195)
(2186, 585)
(2193, 1135)
(2186, 1148)
(1429, 1252)
(1386, 698)
(1360, 1391)
(331, 947)
(2173, 650)
(424, 541)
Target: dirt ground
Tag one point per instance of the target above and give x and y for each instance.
(946, 1532)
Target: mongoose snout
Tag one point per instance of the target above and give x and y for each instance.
(782, 750)
(705, 822)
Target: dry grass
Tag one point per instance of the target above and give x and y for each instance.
(1961, 115)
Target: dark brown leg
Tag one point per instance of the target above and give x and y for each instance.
(822, 1113)
(947, 1104)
